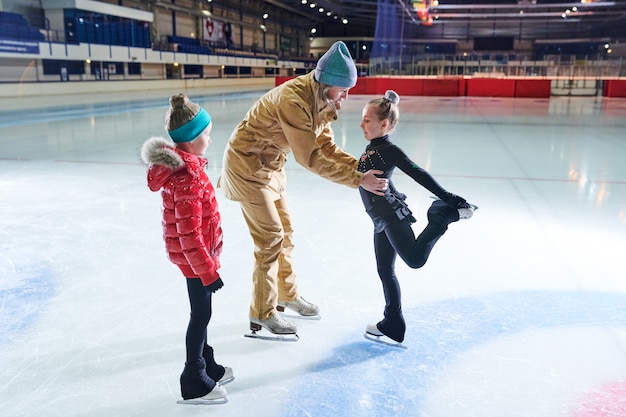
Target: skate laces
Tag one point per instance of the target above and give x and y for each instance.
(278, 319)
(305, 307)
(301, 302)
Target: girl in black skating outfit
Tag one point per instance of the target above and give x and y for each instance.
(392, 217)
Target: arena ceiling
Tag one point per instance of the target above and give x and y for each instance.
(458, 19)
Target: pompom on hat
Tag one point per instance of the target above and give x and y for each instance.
(185, 120)
(336, 67)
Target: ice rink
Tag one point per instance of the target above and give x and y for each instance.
(519, 312)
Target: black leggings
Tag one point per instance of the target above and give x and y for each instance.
(201, 310)
(399, 239)
(201, 371)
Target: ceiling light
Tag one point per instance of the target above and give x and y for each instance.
(344, 21)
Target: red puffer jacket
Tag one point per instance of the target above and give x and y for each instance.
(191, 220)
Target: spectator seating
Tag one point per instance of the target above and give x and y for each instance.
(15, 26)
(189, 45)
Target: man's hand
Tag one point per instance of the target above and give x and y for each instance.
(370, 182)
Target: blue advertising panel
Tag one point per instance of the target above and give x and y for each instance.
(19, 47)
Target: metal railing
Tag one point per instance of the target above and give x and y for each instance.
(463, 65)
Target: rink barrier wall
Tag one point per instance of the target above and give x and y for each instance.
(8, 90)
(614, 88)
(410, 86)
(471, 87)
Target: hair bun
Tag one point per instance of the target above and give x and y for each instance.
(392, 96)
(178, 101)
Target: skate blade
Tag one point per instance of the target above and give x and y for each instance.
(201, 401)
(274, 337)
(383, 340)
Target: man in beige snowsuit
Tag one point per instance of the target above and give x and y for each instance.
(293, 117)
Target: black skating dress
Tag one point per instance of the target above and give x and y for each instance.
(392, 220)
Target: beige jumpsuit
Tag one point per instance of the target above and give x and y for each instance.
(289, 118)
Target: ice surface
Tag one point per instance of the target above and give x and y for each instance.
(521, 310)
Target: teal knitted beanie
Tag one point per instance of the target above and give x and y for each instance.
(336, 67)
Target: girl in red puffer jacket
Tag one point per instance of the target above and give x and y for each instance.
(193, 236)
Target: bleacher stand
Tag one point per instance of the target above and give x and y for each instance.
(189, 45)
(15, 26)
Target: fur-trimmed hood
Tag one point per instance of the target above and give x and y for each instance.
(160, 151)
(165, 160)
